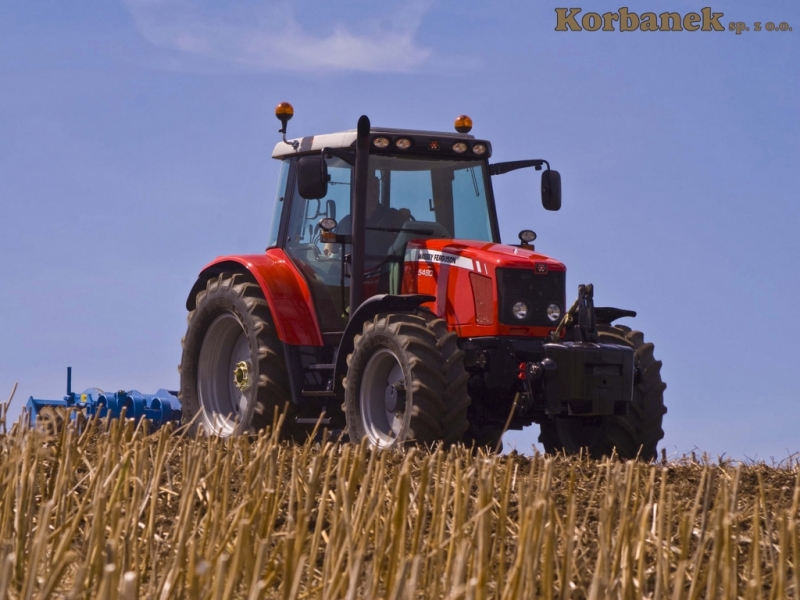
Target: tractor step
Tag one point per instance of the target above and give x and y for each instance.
(321, 367)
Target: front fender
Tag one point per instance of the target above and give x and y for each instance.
(284, 289)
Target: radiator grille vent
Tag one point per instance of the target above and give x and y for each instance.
(536, 291)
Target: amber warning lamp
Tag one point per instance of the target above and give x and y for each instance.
(463, 124)
(285, 111)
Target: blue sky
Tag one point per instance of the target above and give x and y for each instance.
(135, 142)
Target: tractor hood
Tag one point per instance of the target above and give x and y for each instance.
(476, 285)
(477, 256)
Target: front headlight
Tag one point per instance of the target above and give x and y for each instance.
(554, 312)
(520, 310)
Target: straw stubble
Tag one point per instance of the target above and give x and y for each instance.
(110, 510)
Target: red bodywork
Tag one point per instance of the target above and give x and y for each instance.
(454, 271)
(286, 292)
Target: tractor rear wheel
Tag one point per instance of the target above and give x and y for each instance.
(232, 369)
(634, 435)
(406, 382)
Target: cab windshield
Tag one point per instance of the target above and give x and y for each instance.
(448, 193)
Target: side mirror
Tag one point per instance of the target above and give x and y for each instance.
(312, 177)
(551, 190)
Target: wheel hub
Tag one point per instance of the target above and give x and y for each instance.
(395, 397)
(241, 376)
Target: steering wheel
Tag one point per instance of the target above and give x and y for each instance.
(316, 236)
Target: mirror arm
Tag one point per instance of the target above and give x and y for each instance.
(505, 167)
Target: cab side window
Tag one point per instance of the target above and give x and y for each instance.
(279, 204)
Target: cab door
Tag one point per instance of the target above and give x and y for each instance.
(320, 263)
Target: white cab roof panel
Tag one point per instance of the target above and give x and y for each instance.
(316, 142)
(347, 139)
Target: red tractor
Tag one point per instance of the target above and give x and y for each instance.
(386, 305)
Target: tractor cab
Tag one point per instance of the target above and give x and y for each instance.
(420, 185)
(414, 185)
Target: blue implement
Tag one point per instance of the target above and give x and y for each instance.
(159, 408)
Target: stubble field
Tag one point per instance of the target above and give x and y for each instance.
(109, 511)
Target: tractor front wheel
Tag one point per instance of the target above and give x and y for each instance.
(232, 369)
(406, 382)
(634, 435)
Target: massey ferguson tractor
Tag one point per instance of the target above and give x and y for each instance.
(386, 305)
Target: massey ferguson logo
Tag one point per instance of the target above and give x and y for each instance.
(540, 269)
(441, 258)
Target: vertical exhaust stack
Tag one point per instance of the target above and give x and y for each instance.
(359, 222)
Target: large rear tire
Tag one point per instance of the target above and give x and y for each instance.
(634, 435)
(406, 382)
(232, 369)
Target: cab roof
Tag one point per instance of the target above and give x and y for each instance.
(347, 139)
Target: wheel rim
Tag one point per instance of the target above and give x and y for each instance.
(382, 374)
(225, 347)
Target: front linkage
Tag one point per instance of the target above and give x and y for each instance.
(582, 377)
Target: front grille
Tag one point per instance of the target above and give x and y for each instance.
(536, 291)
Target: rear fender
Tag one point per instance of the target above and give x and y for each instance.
(284, 289)
(382, 303)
